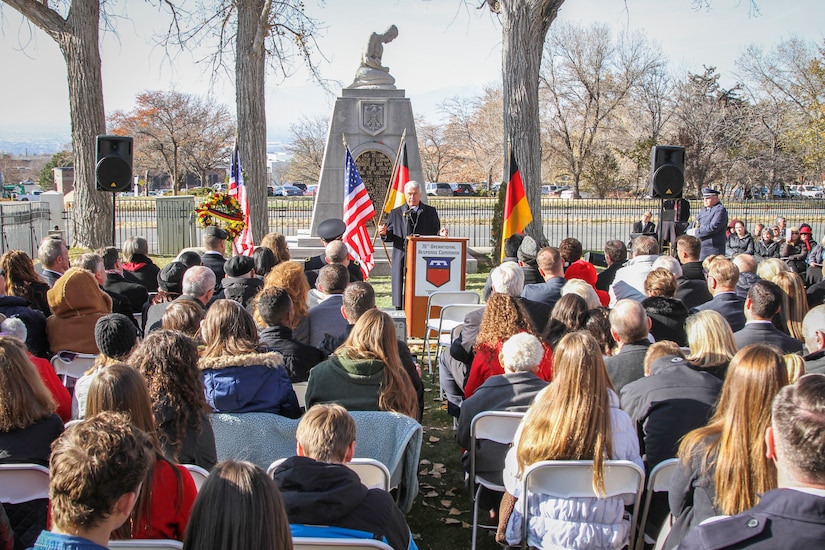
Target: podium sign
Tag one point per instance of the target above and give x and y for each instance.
(433, 263)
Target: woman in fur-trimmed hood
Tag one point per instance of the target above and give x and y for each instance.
(237, 376)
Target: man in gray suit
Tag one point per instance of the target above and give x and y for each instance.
(326, 318)
(551, 267)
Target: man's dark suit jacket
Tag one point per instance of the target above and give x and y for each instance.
(132, 290)
(400, 225)
(628, 365)
(605, 278)
(730, 306)
(765, 333)
(214, 261)
(647, 228)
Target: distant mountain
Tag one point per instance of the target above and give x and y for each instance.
(45, 144)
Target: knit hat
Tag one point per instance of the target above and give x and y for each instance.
(115, 335)
(527, 250)
(238, 266)
(170, 278)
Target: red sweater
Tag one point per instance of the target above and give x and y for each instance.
(169, 510)
(485, 364)
(56, 387)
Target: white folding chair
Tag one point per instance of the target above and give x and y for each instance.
(450, 317)
(199, 474)
(496, 426)
(70, 364)
(574, 478)
(23, 482)
(140, 544)
(657, 482)
(301, 392)
(441, 298)
(312, 543)
(372, 473)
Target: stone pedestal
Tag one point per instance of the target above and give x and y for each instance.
(372, 121)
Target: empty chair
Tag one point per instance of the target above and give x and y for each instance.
(199, 474)
(439, 299)
(657, 482)
(497, 426)
(306, 543)
(70, 364)
(373, 474)
(574, 478)
(23, 482)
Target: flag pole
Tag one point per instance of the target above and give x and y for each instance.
(387, 196)
(506, 175)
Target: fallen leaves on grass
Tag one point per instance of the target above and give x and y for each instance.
(433, 439)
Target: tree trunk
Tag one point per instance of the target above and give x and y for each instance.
(77, 38)
(250, 73)
(524, 28)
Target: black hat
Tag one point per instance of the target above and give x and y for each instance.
(237, 266)
(331, 229)
(215, 231)
(170, 278)
(115, 335)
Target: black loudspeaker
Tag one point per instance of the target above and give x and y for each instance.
(113, 171)
(667, 172)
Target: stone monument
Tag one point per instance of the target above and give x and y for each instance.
(373, 115)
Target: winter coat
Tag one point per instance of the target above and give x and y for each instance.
(35, 321)
(252, 382)
(327, 494)
(241, 289)
(77, 303)
(298, 358)
(739, 245)
(578, 522)
(762, 249)
(485, 364)
(667, 316)
(355, 384)
(795, 255)
(144, 271)
(198, 444)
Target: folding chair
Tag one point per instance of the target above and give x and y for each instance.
(70, 364)
(373, 474)
(657, 482)
(450, 317)
(199, 474)
(140, 544)
(301, 392)
(23, 482)
(307, 543)
(441, 298)
(496, 426)
(574, 478)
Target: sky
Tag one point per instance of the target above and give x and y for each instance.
(445, 48)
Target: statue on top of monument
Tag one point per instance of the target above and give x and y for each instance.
(371, 73)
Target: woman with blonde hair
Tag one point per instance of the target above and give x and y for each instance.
(503, 317)
(365, 373)
(23, 281)
(168, 494)
(722, 467)
(794, 252)
(240, 375)
(583, 289)
(794, 304)
(711, 342)
(290, 275)
(769, 268)
(577, 417)
(277, 244)
(795, 365)
(239, 507)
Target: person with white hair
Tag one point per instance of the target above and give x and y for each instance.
(514, 390)
(583, 289)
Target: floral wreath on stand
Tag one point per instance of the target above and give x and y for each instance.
(221, 210)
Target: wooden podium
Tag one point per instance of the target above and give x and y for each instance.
(433, 263)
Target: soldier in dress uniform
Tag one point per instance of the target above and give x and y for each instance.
(332, 230)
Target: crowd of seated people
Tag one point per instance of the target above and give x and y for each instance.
(685, 363)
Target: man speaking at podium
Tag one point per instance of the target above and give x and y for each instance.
(412, 218)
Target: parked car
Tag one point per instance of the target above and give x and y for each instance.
(287, 191)
(462, 189)
(219, 187)
(270, 190)
(311, 190)
(299, 185)
(438, 190)
(807, 191)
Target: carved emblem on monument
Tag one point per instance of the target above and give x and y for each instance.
(373, 117)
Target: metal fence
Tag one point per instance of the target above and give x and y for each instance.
(23, 225)
(592, 221)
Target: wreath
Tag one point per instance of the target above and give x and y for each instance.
(221, 210)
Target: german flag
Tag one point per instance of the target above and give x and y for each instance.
(516, 210)
(395, 196)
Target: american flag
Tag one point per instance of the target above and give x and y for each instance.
(244, 243)
(358, 210)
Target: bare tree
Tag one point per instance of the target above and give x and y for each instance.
(77, 35)
(257, 32)
(588, 77)
(176, 132)
(437, 152)
(474, 130)
(307, 144)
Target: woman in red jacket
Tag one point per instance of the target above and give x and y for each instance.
(163, 506)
